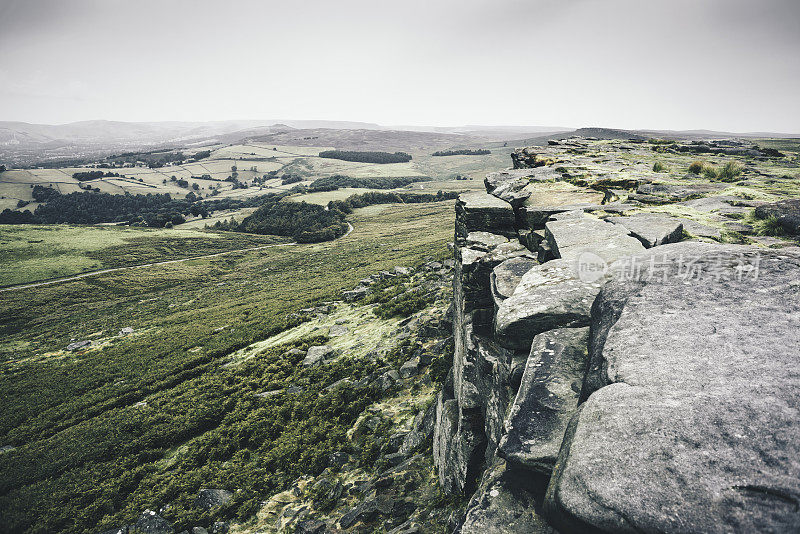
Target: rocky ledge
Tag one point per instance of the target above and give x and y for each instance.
(620, 365)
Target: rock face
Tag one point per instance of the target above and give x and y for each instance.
(478, 211)
(606, 376)
(547, 399)
(690, 420)
(506, 503)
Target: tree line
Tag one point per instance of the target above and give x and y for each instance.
(366, 157)
(93, 175)
(331, 183)
(462, 152)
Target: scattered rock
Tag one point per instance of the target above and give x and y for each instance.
(151, 523)
(787, 212)
(410, 368)
(337, 330)
(78, 345)
(125, 331)
(355, 294)
(311, 526)
(211, 498)
(317, 355)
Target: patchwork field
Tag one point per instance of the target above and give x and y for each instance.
(252, 161)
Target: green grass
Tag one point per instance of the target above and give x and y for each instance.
(37, 252)
(89, 456)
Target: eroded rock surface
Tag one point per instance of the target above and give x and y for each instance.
(690, 424)
(547, 398)
(651, 229)
(551, 295)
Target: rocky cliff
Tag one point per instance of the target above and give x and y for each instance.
(619, 364)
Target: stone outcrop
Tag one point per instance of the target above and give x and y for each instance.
(689, 423)
(607, 376)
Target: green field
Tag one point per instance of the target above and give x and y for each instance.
(141, 420)
(29, 253)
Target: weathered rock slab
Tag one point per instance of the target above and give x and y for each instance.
(692, 421)
(651, 229)
(506, 277)
(478, 211)
(546, 400)
(550, 295)
(571, 237)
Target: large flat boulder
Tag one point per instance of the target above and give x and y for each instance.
(569, 238)
(550, 295)
(546, 400)
(547, 199)
(692, 415)
(651, 229)
(478, 211)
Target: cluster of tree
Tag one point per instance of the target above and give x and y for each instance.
(93, 175)
(287, 179)
(331, 183)
(203, 154)
(305, 223)
(2, 168)
(366, 157)
(154, 158)
(90, 207)
(462, 152)
(373, 197)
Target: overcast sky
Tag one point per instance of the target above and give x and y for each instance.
(680, 64)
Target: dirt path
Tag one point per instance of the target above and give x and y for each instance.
(152, 264)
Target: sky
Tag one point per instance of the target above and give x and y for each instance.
(731, 65)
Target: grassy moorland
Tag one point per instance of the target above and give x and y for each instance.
(36, 252)
(93, 438)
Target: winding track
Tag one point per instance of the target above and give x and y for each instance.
(152, 264)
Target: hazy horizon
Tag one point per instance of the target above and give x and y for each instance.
(724, 65)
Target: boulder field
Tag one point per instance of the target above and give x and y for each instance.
(611, 372)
